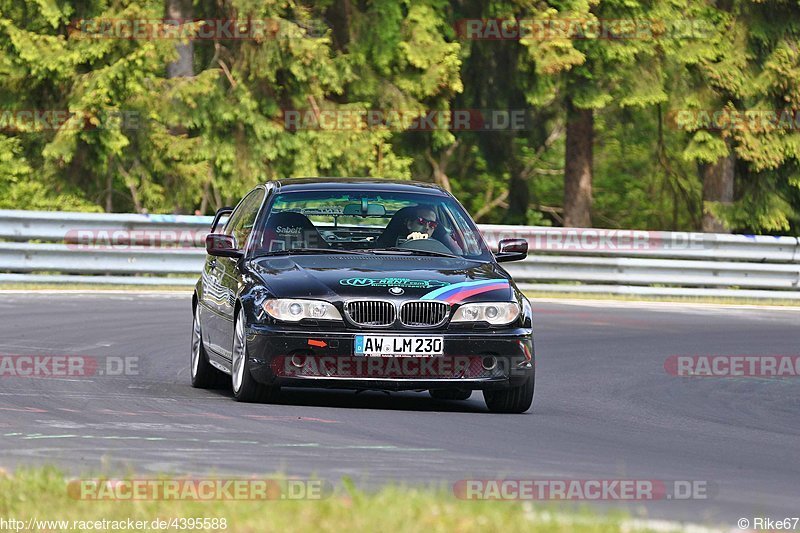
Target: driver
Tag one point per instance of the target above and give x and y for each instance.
(421, 223)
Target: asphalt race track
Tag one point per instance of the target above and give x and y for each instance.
(605, 408)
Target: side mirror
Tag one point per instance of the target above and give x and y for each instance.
(511, 250)
(221, 245)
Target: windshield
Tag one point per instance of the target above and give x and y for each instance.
(369, 222)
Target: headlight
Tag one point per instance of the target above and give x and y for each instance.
(495, 313)
(292, 310)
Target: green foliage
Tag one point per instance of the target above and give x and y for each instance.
(753, 73)
(144, 141)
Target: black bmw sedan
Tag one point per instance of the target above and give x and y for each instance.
(360, 284)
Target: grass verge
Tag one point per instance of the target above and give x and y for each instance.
(41, 494)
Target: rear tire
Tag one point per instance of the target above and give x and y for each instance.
(513, 400)
(450, 394)
(204, 376)
(245, 388)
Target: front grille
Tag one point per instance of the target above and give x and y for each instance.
(424, 314)
(370, 312)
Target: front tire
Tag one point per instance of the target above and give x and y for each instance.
(512, 400)
(245, 388)
(204, 376)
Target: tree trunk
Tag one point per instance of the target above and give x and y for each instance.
(178, 12)
(578, 167)
(718, 187)
(519, 198)
(109, 192)
(339, 15)
(519, 192)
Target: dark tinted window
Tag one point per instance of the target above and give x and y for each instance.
(368, 220)
(242, 220)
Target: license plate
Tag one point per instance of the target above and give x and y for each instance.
(389, 346)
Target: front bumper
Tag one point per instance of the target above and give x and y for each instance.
(472, 360)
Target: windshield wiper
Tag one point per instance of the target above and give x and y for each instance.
(413, 251)
(298, 251)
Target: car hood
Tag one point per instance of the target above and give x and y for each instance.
(396, 277)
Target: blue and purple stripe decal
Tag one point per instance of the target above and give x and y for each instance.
(458, 292)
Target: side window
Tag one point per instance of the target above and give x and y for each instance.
(242, 220)
(462, 227)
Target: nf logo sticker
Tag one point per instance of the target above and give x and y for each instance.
(393, 282)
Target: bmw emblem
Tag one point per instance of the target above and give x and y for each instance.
(397, 291)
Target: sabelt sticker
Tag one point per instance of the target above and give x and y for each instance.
(288, 230)
(458, 292)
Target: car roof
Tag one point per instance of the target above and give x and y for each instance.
(356, 184)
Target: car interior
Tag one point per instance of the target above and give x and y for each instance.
(293, 229)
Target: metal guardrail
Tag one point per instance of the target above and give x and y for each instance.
(640, 243)
(55, 247)
(18, 225)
